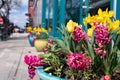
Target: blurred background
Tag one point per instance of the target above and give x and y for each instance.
(23, 15)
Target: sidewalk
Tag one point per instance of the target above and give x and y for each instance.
(12, 51)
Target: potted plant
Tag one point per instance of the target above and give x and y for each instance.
(31, 38)
(41, 39)
(90, 54)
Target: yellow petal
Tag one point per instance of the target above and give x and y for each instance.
(116, 24)
(70, 26)
(106, 10)
(111, 13)
(34, 29)
(75, 24)
(118, 32)
(44, 30)
(29, 29)
(85, 21)
(38, 30)
(100, 12)
(90, 31)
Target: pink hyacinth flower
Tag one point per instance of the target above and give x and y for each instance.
(50, 41)
(78, 33)
(105, 53)
(78, 61)
(33, 60)
(101, 34)
(98, 51)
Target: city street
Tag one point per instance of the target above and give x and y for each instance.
(12, 51)
(59, 40)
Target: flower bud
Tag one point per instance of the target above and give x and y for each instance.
(107, 77)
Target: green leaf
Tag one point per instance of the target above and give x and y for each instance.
(60, 43)
(115, 31)
(60, 30)
(48, 68)
(73, 44)
(90, 48)
(118, 40)
(93, 38)
(44, 55)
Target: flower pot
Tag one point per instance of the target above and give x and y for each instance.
(30, 39)
(46, 76)
(40, 44)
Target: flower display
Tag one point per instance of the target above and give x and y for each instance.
(41, 33)
(89, 54)
(37, 33)
(104, 34)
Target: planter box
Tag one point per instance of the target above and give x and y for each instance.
(40, 44)
(45, 76)
(30, 40)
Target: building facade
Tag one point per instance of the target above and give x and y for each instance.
(54, 13)
(37, 12)
(30, 12)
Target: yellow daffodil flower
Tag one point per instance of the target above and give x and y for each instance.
(44, 30)
(70, 26)
(89, 32)
(38, 29)
(87, 20)
(35, 29)
(114, 25)
(29, 29)
(111, 13)
(102, 17)
(100, 12)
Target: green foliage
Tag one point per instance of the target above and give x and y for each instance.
(55, 59)
(66, 38)
(73, 74)
(41, 35)
(101, 64)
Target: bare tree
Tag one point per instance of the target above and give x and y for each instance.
(1, 3)
(7, 5)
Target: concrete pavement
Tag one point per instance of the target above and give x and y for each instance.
(12, 51)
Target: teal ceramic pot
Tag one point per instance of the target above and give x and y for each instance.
(30, 39)
(46, 76)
